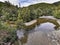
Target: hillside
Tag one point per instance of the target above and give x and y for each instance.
(10, 14)
(12, 17)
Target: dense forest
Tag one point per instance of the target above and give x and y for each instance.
(13, 17)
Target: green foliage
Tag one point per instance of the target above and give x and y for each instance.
(17, 16)
(10, 37)
(13, 17)
(56, 13)
(19, 24)
(10, 13)
(25, 14)
(0, 25)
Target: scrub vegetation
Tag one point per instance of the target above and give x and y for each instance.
(13, 18)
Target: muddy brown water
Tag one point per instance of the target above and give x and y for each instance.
(38, 35)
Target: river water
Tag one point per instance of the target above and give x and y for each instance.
(37, 36)
(45, 27)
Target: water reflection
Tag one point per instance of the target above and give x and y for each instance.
(45, 27)
(24, 39)
(22, 36)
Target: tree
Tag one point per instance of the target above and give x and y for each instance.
(56, 13)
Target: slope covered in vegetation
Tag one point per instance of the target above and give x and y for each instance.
(13, 17)
(14, 14)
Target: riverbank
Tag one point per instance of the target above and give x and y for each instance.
(48, 17)
(43, 19)
(58, 20)
(30, 23)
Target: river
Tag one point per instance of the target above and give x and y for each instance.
(39, 34)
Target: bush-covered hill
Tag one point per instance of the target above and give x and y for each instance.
(13, 17)
(10, 14)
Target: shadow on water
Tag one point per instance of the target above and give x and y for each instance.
(43, 24)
